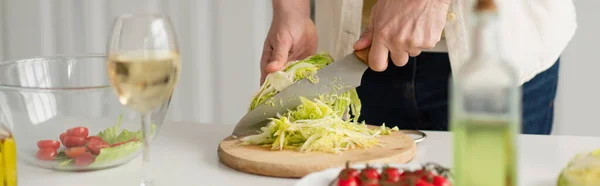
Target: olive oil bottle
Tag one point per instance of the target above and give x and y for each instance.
(485, 108)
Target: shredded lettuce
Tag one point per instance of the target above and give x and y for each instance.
(322, 124)
(316, 126)
(292, 72)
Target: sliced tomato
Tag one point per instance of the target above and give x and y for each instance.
(135, 139)
(96, 145)
(78, 131)
(94, 138)
(74, 141)
(46, 154)
(120, 143)
(84, 159)
(48, 144)
(74, 152)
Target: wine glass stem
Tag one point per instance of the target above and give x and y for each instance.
(146, 130)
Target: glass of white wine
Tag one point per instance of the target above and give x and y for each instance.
(143, 67)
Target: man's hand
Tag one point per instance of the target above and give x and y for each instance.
(292, 36)
(402, 28)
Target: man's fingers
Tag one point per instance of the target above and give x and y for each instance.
(264, 61)
(378, 56)
(365, 39)
(414, 52)
(400, 57)
(363, 42)
(279, 57)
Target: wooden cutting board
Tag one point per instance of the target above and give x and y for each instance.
(397, 148)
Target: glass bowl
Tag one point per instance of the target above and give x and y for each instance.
(58, 98)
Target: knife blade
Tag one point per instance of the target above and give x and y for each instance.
(338, 77)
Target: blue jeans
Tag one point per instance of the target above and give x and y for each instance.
(415, 96)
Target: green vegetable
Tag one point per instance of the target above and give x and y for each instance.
(114, 134)
(317, 126)
(66, 162)
(292, 72)
(111, 134)
(321, 124)
(582, 170)
(108, 155)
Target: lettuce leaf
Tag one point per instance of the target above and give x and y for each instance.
(108, 155)
(111, 134)
(114, 134)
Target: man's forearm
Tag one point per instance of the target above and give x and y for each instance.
(298, 7)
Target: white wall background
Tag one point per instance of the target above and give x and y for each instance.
(221, 43)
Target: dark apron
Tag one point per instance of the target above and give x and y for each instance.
(415, 96)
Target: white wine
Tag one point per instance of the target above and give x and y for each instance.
(144, 80)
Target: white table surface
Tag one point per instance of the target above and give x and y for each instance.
(186, 154)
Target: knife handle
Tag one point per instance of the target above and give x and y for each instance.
(363, 55)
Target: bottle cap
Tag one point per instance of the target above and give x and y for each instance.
(485, 6)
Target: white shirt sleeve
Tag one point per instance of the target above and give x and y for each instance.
(533, 33)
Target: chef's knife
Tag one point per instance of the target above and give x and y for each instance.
(338, 77)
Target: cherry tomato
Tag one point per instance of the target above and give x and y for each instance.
(412, 173)
(78, 131)
(74, 141)
(423, 183)
(48, 144)
(348, 176)
(370, 182)
(74, 152)
(94, 138)
(350, 181)
(96, 145)
(441, 181)
(390, 174)
(46, 154)
(369, 173)
(62, 137)
(413, 180)
(84, 159)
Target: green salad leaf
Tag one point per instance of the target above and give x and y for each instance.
(111, 134)
(321, 124)
(115, 135)
(108, 155)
